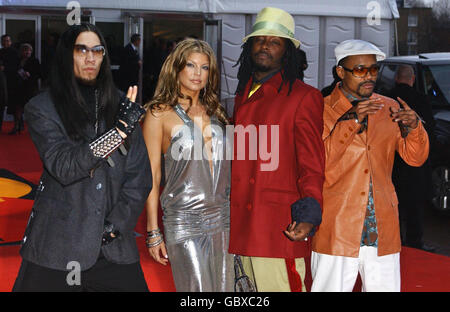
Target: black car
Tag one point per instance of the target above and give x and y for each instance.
(432, 71)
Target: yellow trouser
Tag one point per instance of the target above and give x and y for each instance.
(270, 274)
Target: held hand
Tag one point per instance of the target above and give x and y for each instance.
(406, 116)
(159, 253)
(298, 232)
(368, 107)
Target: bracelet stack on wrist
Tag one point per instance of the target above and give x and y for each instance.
(154, 234)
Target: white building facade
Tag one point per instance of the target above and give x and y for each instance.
(319, 24)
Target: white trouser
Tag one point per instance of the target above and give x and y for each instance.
(337, 273)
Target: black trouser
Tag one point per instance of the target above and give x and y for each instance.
(411, 213)
(103, 276)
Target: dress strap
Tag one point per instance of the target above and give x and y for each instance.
(182, 114)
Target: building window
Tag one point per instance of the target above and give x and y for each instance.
(412, 20)
(408, 3)
(412, 50)
(412, 37)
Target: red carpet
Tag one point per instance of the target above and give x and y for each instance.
(420, 271)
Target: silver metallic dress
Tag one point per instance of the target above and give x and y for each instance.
(196, 209)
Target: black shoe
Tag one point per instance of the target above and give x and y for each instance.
(428, 248)
(21, 126)
(422, 246)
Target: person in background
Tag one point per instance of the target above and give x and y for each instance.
(29, 74)
(362, 132)
(130, 64)
(413, 184)
(48, 54)
(9, 58)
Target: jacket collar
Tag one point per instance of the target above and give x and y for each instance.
(272, 83)
(339, 101)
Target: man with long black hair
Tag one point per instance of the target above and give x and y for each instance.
(275, 204)
(96, 176)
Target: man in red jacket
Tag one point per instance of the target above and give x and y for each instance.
(276, 197)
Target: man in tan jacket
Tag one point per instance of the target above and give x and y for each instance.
(362, 133)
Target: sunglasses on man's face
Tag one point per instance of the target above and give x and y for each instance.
(81, 50)
(361, 71)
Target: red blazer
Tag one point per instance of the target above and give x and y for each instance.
(261, 200)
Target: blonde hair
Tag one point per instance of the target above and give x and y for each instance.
(168, 91)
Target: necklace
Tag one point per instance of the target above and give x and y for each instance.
(96, 111)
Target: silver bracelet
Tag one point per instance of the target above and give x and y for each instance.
(154, 244)
(106, 144)
(153, 232)
(150, 236)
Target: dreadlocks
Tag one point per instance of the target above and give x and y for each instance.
(289, 70)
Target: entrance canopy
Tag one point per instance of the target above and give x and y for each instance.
(339, 8)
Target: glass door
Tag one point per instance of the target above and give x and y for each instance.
(24, 29)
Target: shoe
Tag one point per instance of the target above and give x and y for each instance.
(427, 248)
(21, 126)
(422, 246)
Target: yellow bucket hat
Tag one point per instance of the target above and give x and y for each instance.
(274, 22)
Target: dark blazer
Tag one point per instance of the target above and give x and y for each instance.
(10, 59)
(70, 207)
(30, 86)
(3, 94)
(129, 67)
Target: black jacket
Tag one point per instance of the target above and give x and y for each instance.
(70, 207)
(129, 68)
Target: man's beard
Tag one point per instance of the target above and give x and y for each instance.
(87, 82)
(259, 67)
(358, 90)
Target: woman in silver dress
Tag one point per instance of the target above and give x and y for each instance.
(186, 124)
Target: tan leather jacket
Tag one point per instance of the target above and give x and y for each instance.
(351, 160)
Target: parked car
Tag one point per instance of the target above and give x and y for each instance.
(432, 71)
